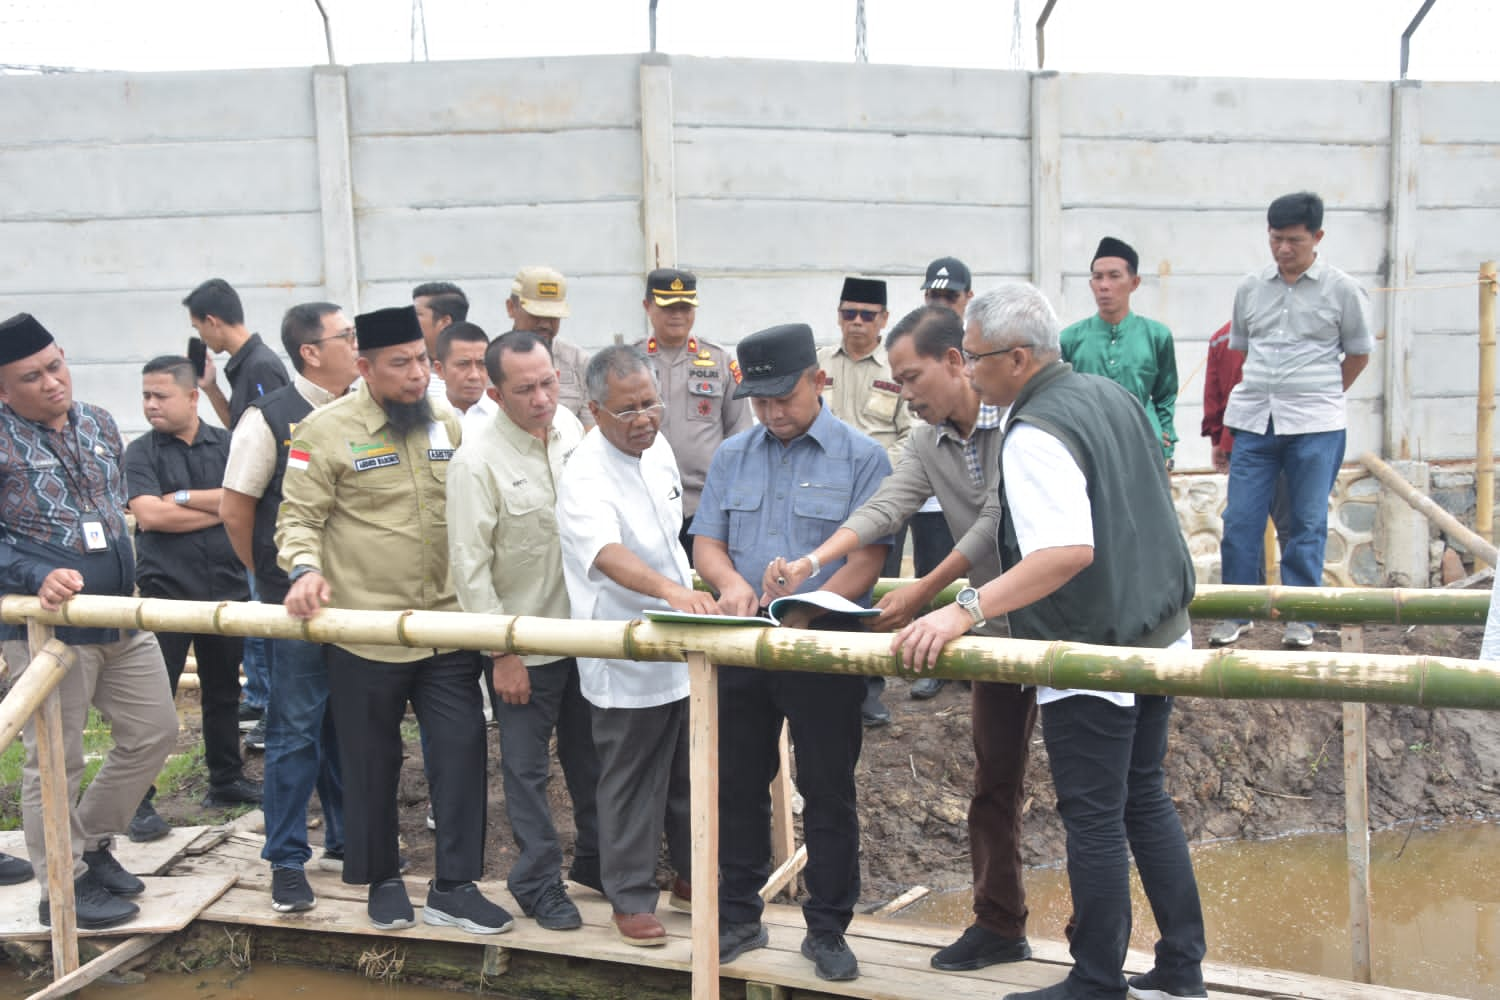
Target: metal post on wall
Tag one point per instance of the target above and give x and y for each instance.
(1041, 35)
(327, 32)
(1411, 29)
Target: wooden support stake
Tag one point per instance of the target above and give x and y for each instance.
(765, 991)
(703, 743)
(783, 833)
(57, 811)
(1269, 552)
(902, 901)
(1445, 521)
(1484, 427)
(784, 875)
(105, 963)
(1357, 820)
(30, 690)
(496, 962)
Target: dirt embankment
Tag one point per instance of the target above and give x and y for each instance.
(1235, 769)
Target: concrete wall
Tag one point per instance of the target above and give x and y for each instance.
(773, 180)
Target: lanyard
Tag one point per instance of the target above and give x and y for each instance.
(80, 484)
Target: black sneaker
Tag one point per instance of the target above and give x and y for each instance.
(249, 716)
(467, 908)
(553, 910)
(111, 874)
(389, 906)
(94, 906)
(978, 948)
(1152, 986)
(290, 892)
(14, 871)
(146, 825)
(873, 712)
(240, 791)
(830, 956)
(255, 739)
(736, 939)
(926, 687)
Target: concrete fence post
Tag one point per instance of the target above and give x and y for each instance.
(658, 170)
(336, 186)
(1046, 186)
(1406, 150)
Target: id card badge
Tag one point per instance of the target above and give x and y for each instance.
(94, 537)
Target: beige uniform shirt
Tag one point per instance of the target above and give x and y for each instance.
(502, 520)
(252, 449)
(697, 384)
(369, 510)
(862, 395)
(572, 393)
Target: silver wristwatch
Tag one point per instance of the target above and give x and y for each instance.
(968, 599)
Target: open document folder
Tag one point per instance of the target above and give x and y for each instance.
(822, 599)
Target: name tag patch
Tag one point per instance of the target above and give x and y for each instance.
(379, 461)
(439, 454)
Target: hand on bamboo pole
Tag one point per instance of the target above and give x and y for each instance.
(919, 643)
(58, 586)
(310, 593)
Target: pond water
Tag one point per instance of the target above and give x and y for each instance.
(1435, 906)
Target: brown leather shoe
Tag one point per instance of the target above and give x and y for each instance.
(682, 896)
(640, 929)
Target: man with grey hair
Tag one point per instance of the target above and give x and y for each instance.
(507, 560)
(1091, 552)
(619, 507)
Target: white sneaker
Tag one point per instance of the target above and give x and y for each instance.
(1227, 632)
(1298, 635)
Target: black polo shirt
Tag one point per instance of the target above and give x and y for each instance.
(254, 371)
(190, 565)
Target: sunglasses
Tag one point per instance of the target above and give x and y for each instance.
(868, 315)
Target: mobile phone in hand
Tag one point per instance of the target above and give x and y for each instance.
(198, 355)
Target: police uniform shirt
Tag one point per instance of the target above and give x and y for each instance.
(572, 363)
(368, 509)
(862, 394)
(697, 383)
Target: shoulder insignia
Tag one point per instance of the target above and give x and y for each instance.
(297, 459)
(692, 346)
(651, 346)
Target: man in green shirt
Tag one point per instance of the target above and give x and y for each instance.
(1126, 348)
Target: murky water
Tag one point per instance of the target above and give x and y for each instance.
(271, 982)
(1435, 901)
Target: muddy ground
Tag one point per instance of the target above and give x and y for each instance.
(1251, 769)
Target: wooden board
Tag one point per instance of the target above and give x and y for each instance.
(154, 858)
(168, 904)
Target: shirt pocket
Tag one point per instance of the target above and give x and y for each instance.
(705, 397)
(743, 506)
(529, 522)
(385, 495)
(881, 404)
(818, 508)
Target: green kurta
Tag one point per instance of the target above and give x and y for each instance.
(1138, 354)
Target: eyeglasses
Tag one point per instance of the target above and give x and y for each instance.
(347, 336)
(947, 295)
(970, 357)
(652, 412)
(868, 315)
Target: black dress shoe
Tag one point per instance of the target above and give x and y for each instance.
(978, 948)
(927, 687)
(240, 791)
(14, 871)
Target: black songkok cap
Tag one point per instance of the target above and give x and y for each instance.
(772, 360)
(870, 290)
(387, 327)
(1111, 247)
(21, 336)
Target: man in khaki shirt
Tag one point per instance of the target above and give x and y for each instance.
(861, 393)
(538, 304)
(363, 524)
(507, 560)
(697, 381)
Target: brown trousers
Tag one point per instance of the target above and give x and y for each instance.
(1004, 716)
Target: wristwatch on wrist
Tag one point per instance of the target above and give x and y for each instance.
(182, 497)
(968, 599)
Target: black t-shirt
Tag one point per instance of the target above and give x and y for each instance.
(191, 565)
(254, 371)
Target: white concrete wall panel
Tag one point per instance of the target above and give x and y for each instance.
(81, 182)
(858, 98)
(156, 107)
(1459, 112)
(1216, 109)
(1452, 175)
(507, 95)
(839, 166)
(1445, 365)
(1448, 301)
(1457, 239)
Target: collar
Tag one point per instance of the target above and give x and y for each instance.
(1314, 273)
(73, 414)
(988, 419)
(518, 438)
(654, 346)
(311, 391)
(823, 430)
(243, 354)
(162, 437)
(877, 356)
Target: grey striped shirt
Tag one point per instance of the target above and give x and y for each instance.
(1294, 336)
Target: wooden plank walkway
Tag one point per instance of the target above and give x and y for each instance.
(893, 954)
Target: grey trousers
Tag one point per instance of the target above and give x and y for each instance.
(643, 790)
(127, 682)
(525, 765)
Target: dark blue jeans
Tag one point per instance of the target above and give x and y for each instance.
(1310, 463)
(256, 662)
(302, 753)
(1106, 764)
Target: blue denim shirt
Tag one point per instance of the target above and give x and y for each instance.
(765, 499)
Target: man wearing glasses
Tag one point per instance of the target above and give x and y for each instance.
(502, 514)
(861, 393)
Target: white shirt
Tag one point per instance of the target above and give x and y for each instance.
(480, 413)
(608, 497)
(1049, 503)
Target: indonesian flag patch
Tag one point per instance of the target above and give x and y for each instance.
(297, 459)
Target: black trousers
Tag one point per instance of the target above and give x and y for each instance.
(218, 693)
(822, 711)
(369, 699)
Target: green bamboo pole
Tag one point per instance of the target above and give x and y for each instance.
(1223, 673)
(1347, 605)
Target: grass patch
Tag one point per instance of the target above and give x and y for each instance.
(180, 769)
(96, 743)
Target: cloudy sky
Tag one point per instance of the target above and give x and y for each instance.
(1339, 39)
